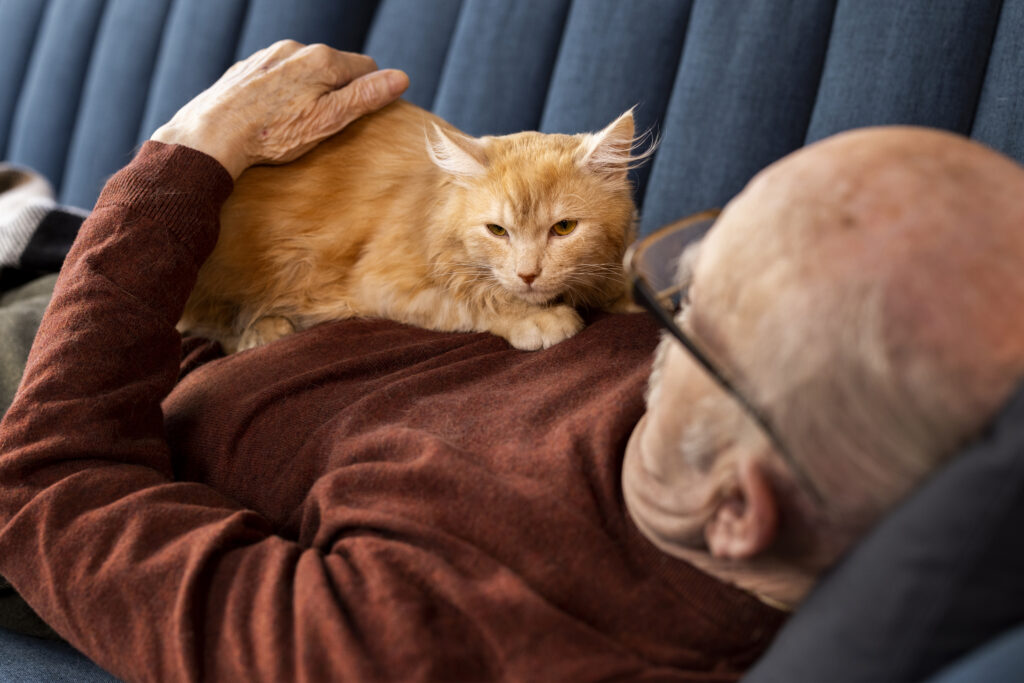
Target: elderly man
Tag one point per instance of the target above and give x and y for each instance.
(368, 501)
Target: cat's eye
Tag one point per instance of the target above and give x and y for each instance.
(563, 228)
(497, 230)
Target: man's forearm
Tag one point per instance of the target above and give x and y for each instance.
(82, 445)
(107, 351)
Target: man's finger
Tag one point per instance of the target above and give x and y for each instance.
(362, 96)
(347, 66)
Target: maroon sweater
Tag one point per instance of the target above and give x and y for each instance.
(360, 501)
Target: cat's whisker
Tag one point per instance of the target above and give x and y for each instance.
(461, 276)
(596, 272)
(603, 266)
(611, 267)
(594, 277)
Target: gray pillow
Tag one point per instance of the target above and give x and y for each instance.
(937, 578)
(20, 312)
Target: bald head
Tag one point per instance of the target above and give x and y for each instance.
(865, 294)
(868, 289)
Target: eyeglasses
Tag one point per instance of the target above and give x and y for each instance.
(651, 268)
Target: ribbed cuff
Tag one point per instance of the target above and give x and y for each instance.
(201, 186)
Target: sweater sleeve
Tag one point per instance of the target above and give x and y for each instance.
(137, 570)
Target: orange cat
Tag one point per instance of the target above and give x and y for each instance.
(402, 216)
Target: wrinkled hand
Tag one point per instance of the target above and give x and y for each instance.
(279, 103)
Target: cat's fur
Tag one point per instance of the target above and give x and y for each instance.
(390, 218)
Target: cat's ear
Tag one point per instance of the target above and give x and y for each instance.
(610, 150)
(456, 154)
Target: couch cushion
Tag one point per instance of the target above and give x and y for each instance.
(19, 22)
(341, 24)
(915, 61)
(742, 97)
(999, 120)
(414, 36)
(46, 112)
(114, 97)
(499, 64)
(197, 46)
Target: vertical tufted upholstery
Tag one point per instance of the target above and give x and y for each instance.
(19, 24)
(728, 85)
(999, 119)
(197, 46)
(424, 58)
(45, 113)
(914, 61)
(499, 65)
(742, 97)
(114, 96)
(341, 24)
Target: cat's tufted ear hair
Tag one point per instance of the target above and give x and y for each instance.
(614, 148)
(457, 154)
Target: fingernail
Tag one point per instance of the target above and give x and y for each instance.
(397, 80)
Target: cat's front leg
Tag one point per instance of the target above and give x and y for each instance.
(263, 331)
(538, 328)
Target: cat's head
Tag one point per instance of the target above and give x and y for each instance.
(539, 216)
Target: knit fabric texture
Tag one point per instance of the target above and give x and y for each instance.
(360, 501)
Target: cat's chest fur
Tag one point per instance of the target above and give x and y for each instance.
(401, 216)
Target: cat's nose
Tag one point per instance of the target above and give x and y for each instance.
(528, 278)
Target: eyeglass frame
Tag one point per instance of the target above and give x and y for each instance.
(644, 295)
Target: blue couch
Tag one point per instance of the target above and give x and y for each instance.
(728, 86)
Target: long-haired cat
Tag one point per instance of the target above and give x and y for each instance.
(404, 217)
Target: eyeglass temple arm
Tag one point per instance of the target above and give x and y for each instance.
(644, 293)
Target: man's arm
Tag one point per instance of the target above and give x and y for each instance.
(156, 579)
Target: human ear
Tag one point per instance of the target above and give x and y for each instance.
(745, 523)
(456, 154)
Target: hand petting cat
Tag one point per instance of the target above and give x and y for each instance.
(279, 103)
(400, 215)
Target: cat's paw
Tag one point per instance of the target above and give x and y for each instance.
(543, 328)
(263, 331)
